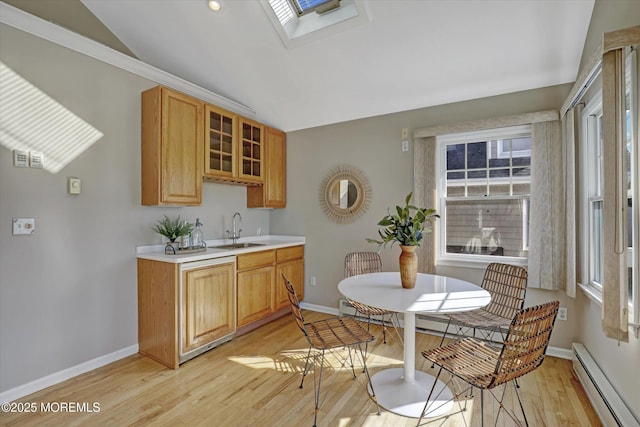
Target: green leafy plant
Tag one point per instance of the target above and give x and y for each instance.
(172, 228)
(407, 226)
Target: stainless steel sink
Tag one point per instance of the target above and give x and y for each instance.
(238, 245)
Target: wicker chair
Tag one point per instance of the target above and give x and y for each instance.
(329, 334)
(369, 262)
(485, 366)
(507, 285)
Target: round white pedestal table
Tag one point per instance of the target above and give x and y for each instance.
(404, 390)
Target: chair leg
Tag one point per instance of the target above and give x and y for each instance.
(366, 372)
(516, 387)
(426, 404)
(482, 408)
(306, 365)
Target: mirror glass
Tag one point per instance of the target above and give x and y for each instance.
(345, 194)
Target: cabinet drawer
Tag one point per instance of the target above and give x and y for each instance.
(255, 259)
(290, 253)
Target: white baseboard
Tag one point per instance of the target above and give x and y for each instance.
(58, 377)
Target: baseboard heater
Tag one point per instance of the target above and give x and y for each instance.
(604, 398)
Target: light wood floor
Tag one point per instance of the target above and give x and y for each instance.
(253, 381)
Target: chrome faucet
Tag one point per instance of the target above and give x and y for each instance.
(235, 235)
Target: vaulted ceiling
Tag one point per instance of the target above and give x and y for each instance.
(407, 54)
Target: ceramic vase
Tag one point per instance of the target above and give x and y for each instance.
(408, 266)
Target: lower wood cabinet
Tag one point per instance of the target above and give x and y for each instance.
(184, 309)
(208, 305)
(290, 262)
(261, 292)
(255, 294)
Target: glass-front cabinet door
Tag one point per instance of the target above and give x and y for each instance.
(220, 143)
(250, 158)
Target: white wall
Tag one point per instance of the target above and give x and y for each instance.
(68, 293)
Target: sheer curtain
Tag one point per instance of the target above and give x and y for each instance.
(424, 195)
(547, 226)
(615, 322)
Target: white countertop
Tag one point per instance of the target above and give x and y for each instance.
(156, 252)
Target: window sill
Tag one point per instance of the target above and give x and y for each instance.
(593, 293)
(477, 261)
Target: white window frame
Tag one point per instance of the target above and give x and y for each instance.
(631, 67)
(472, 260)
(591, 177)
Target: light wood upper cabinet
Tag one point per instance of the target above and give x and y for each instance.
(172, 135)
(221, 140)
(208, 305)
(273, 192)
(250, 150)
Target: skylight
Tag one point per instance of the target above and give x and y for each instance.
(282, 9)
(295, 23)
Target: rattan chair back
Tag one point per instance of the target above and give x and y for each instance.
(486, 366)
(362, 263)
(295, 305)
(526, 343)
(507, 285)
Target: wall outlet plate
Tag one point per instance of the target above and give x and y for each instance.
(562, 313)
(24, 226)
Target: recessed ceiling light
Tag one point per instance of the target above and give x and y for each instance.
(215, 5)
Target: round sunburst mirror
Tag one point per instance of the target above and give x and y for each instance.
(345, 194)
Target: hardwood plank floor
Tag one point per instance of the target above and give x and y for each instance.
(253, 381)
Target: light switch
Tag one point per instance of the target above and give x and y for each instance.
(74, 186)
(20, 158)
(24, 226)
(36, 159)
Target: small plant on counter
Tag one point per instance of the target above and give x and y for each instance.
(172, 228)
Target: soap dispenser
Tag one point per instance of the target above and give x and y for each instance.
(197, 240)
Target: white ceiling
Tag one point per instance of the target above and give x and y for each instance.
(411, 53)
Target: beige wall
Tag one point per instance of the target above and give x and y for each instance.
(374, 146)
(68, 293)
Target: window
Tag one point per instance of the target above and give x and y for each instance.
(303, 7)
(591, 209)
(295, 23)
(632, 166)
(484, 194)
(592, 136)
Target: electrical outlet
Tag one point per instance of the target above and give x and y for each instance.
(562, 313)
(24, 226)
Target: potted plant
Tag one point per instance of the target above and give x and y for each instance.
(407, 227)
(172, 229)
